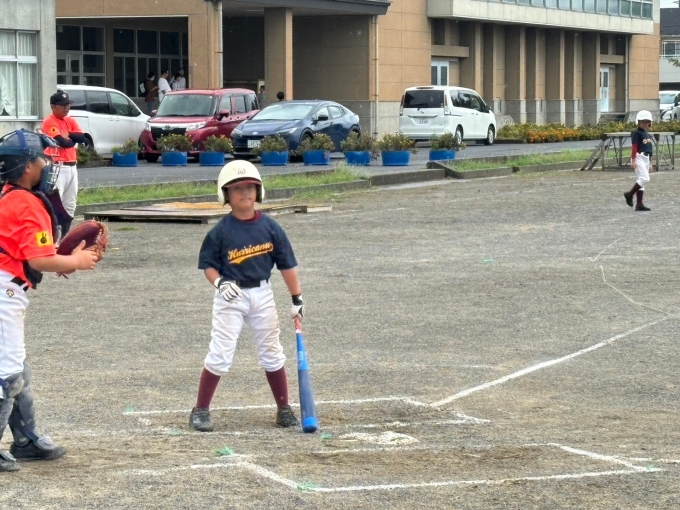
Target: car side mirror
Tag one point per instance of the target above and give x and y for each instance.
(224, 113)
(322, 118)
(154, 112)
(676, 103)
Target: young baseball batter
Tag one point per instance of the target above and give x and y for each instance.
(27, 233)
(237, 256)
(641, 159)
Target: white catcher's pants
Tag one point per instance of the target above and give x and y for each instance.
(67, 184)
(13, 304)
(258, 310)
(642, 164)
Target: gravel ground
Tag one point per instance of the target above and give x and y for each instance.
(498, 343)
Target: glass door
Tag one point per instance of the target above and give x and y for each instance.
(604, 89)
(69, 68)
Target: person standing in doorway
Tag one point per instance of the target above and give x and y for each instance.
(163, 85)
(261, 96)
(179, 82)
(151, 92)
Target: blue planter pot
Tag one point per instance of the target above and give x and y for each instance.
(211, 159)
(317, 158)
(442, 155)
(358, 158)
(396, 158)
(274, 158)
(124, 159)
(174, 158)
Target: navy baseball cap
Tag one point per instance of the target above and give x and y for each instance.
(60, 98)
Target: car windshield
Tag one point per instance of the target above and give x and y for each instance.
(285, 111)
(424, 99)
(186, 105)
(666, 98)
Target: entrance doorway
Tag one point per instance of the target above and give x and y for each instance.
(80, 69)
(604, 89)
(440, 72)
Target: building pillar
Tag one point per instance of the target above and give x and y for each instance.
(515, 77)
(493, 81)
(278, 51)
(471, 67)
(573, 78)
(591, 77)
(554, 76)
(205, 49)
(535, 75)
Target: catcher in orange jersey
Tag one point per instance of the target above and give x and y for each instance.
(27, 232)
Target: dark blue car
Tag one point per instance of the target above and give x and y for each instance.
(295, 121)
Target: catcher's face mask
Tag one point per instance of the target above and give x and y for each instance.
(48, 178)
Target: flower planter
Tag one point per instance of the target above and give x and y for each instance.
(317, 158)
(442, 155)
(174, 158)
(274, 158)
(358, 158)
(396, 158)
(124, 159)
(211, 158)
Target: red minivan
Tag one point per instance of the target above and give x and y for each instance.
(199, 114)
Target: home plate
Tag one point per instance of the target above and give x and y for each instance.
(389, 437)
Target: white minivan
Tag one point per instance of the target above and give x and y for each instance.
(107, 117)
(433, 110)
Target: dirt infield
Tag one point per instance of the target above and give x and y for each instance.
(502, 343)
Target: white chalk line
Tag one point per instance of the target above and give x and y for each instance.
(545, 364)
(597, 456)
(612, 244)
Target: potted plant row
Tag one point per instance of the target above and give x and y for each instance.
(125, 155)
(214, 149)
(174, 149)
(396, 149)
(317, 150)
(444, 147)
(273, 151)
(359, 149)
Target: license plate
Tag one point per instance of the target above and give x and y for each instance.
(253, 144)
(423, 121)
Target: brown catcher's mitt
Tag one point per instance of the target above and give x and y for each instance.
(95, 235)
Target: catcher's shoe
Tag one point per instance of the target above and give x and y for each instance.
(285, 417)
(642, 207)
(629, 198)
(8, 463)
(200, 420)
(42, 449)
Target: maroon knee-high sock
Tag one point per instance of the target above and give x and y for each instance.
(206, 388)
(639, 194)
(279, 385)
(634, 189)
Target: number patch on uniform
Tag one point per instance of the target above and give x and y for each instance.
(43, 238)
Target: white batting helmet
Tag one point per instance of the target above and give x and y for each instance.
(238, 171)
(643, 115)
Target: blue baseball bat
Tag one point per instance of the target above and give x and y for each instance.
(307, 407)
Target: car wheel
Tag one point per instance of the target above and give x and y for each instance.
(459, 134)
(490, 136)
(89, 144)
(151, 158)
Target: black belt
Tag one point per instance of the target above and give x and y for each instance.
(21, 283)
(249, 284)
(69, 163)
(648, 154)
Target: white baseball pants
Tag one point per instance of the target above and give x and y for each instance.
(256, 309)
(67, 184)
(13, 304)
(642, 164)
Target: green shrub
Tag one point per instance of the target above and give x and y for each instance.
(275, 143)
(446, 141)
(320, 142)
(87, 155)
(218, 144)
(129, 147)
(396, 142)
(360, 143)
(174, 143)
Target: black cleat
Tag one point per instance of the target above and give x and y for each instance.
(8, 463)
(642, 208)
(42, 449)
(285, 417)
(629, 198)
(200, 420)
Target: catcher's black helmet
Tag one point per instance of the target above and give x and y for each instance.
(17, 149)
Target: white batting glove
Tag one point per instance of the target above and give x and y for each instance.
(231, 292)
(298, 307)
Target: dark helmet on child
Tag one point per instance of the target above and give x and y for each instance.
(21, 147)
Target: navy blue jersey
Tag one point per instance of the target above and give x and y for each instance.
(246, 250)
(643, 140)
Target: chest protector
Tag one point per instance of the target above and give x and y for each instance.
(34, 277)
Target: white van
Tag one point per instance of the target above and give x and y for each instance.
(433, 110)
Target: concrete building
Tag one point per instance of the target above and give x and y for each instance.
(27, 62)
(536, 60)
(669, 74)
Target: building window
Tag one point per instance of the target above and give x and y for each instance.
(439, 32)
(626, 8)
(670, 49)
(140, 52)
(18, 74)
(81, 58)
